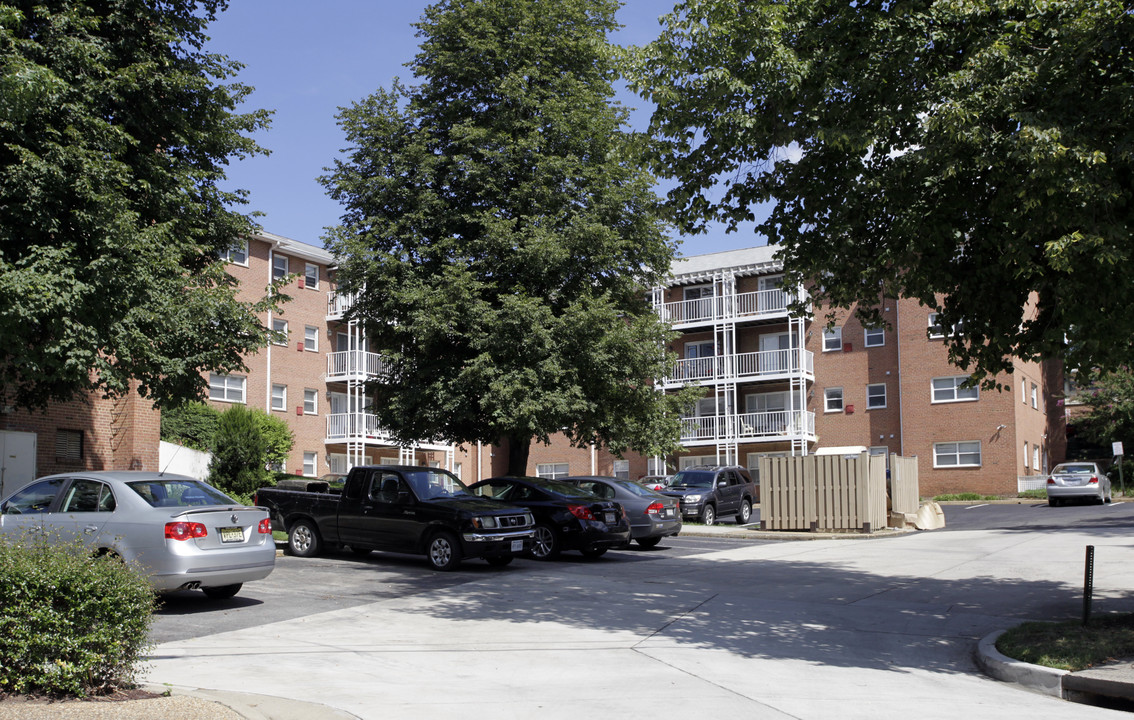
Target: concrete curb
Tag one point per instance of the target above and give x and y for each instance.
(1048, 681)
(259, 707)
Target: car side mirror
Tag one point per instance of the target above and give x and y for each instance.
(722, 483)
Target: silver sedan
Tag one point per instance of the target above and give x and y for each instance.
(1077, 480)
(183, 534)
(653, 516)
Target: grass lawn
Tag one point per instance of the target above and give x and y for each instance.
(1070, 645)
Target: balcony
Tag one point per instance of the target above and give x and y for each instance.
(771, 426)
(762, 304)
(337, 305)
(353, 365)
(752, 366)
(363, 427)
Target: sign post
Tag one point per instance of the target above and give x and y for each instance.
(1117, 449)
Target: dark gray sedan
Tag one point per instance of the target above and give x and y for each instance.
(653, 516)
(181, 533)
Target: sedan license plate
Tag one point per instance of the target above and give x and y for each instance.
(517, 546)
(231, 534)
(608, 518)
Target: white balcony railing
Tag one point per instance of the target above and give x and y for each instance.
(337, 305)
(772, 425)
(355, 426)
(762, 364)
(762, 303)
(353, 364)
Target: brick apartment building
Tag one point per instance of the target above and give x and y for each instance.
(774, 384)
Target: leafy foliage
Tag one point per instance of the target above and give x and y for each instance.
(499, 235)
(1110, 403)
(246, 442)
(975, 155)
(69, 624)
(115, 128)
(191, 424)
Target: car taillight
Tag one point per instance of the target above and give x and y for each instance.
(265, 527)
(655, 508)
(185, 530)
(581, 511)
(1051, 481)
(1094, 480)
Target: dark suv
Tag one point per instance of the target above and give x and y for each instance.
(707, 492)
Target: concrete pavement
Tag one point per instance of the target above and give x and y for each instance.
(783, 630)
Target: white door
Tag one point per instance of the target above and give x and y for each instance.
(771, 297)
(17, 460)
(776, 354)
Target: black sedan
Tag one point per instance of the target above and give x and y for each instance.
(652, 515)
(566, 516)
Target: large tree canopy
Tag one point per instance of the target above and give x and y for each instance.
(974, 155)
(114, 133)
(500, 237)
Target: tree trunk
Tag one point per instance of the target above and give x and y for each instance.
(518, 455)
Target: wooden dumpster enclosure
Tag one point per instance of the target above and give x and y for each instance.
(834, 492)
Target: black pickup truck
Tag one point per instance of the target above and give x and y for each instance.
(399, 508)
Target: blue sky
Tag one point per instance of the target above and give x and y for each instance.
(306, 60)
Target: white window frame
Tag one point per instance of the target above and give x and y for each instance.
(836, 335)
(1024, 390)
(955, 390)
(689, 461)
(310, 401)
(310, 338)
(879, 335)
(1035, 396)
(551, 471)
(280, 266)
(279, 396)
(311, 276)
(310, 463)
(280, 326)
(1026, 455)
(829, 396)
(940, 331)
(871, 400)
(622, 469)
(1035, 456)
(956, 450)
(239, 250)
(880, 450)
(228, 388)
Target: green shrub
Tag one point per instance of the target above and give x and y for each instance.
(1037, 494)
(193, 425)
(964, 497)
(70, 625)
(247, 441)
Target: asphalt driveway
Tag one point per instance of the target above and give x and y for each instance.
(811, 629)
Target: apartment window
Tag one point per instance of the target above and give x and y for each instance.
(226, 388)
(874, 337)
(310, 401)
(622, 469)
(833, 339)
(311, 339)
(948, 389)
(279, 327)
(937, 331)
(237, 254)
(1035, 457)
(880, 450)
(1035, 396)
(1026, 456)
(311, 277)
(691, 460)
(875, 396)
(279, 396)
(956, 454)
(310, 462)
(69, 444)
(551, 470)
(279, 266)
(1024, 391)
(833, 399)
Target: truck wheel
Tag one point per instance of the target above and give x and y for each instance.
(648, 542)
(499, 560)
(303, 539)
(745, 513)
(545, 543)
(709, 515)
(444, 551)
(222, 592)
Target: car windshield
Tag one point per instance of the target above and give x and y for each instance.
(436, 483)
(179, 492)
(693, 479)
(1074, 469)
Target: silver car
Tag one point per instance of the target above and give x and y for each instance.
(652, 516)
(1071, 480)
(182, 533)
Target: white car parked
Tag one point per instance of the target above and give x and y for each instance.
(1073, 480)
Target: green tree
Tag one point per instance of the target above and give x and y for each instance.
(278, 439)
(192, 424)
(1110, 403)
(240, 451)
(973, 155)
(115, 128)
(501, 236)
